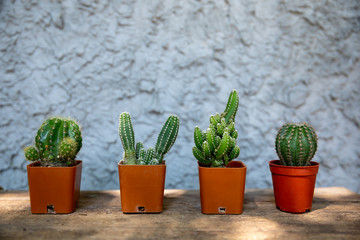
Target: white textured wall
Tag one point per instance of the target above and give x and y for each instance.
(289, 60)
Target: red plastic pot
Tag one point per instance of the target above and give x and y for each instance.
(142, 188)
(222, 189)
(293, 186)
(54, 189)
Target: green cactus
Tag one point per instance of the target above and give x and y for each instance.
(57, 143)
(127, 137)
(231, 106)
(31, 153)
(296, 144)
(68, 148)
(167, 137)
(139, 155)
(138, 149)
(216, 147)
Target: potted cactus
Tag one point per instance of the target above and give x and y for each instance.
(222, 180)
(294, 175)
(54, 177)
(142, 171)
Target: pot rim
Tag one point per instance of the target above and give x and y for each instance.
(121, 163)
(276, 163)
(224, 168)
(35, 165)
(299, 171)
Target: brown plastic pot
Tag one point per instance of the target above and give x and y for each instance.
(142, 187)
(222, 189)
(293, 186)
(54, 189)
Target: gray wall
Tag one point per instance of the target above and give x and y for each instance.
(289, 60)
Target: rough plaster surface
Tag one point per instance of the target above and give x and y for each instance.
(91, 60)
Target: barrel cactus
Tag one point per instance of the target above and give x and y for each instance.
(137, 154)
(296, 144)
(56, 144)
(216, 146)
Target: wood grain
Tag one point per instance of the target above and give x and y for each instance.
(335, 215)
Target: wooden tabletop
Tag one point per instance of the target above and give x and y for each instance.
(335, 215)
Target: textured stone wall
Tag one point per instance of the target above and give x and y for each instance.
(91, 60)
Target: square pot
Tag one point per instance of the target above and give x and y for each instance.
(54, 189)
(222, 189)
(142, 187)
(293, 186)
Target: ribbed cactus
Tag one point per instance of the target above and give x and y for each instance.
(57, 143)
(138, 154)
(216, 146)
(127, 137)
(296, 144)
(167, 137)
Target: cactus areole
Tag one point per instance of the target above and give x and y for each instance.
(296, 144)
(216, 146)
(137, 154)
(56, 144)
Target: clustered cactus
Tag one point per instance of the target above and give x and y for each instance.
(137, 154)
(56, 144)
(216, 146)
(296, 144)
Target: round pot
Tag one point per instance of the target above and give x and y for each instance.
(293, 186)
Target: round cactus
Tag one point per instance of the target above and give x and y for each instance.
(50, 136)
(31, 153)
(296, 144)
(68, 148)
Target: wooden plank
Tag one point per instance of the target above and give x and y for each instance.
(335, 215)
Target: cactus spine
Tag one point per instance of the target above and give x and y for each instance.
(138, 154)
(296, 144)
(56, 144)
(216, 146)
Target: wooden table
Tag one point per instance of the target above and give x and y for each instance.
(335, 215)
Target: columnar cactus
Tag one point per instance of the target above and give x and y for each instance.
(216, 146)
(167, 137)
(296, 144)
(127, 137)
(56, 144)
(138, 154)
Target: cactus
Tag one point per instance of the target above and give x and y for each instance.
(31, 153)
(68, 148)
(296, 144)
(139, 155)
(167, 137)
(216, 146)
(127, 137)
(56, 144)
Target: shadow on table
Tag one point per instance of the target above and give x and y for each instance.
(323, 219)
(253, 198)
(181, 200)
(98, 200)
